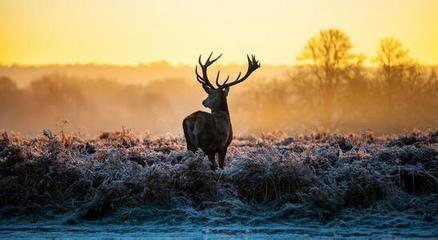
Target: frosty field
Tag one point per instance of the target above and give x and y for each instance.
(120, 185)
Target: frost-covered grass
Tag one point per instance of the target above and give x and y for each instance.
(323, 174)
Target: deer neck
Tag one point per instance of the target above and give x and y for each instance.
(222, 107)
(222, 118)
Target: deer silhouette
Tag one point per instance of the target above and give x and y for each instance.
(212, 132)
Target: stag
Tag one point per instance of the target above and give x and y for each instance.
(212, 132)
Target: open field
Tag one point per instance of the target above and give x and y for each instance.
(388, 183)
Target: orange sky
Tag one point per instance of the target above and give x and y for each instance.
(136, 31)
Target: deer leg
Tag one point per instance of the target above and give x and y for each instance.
(222, 155)
(211, 157)
(189, 136)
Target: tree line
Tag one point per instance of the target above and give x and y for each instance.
(332, 89)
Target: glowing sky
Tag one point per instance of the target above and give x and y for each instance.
(136, 31)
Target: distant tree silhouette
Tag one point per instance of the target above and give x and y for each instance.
(402, 80)
(7, 85)
(8, 92)
(328, 54)
(394, 63)
(392, 57)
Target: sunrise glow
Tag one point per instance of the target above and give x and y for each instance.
(132, 32)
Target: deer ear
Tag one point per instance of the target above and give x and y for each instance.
(208, 89)
(226, 91)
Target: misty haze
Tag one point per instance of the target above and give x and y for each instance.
(154, 98)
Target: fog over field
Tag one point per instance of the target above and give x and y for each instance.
(93, 98)
(155, 98)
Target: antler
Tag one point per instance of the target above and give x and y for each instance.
(253, 64)
(204, 79)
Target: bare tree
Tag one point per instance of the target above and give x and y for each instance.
(391, 58)
(408, 89)
(393, 61)
(329, 58)
(400, 77)
(8, 94)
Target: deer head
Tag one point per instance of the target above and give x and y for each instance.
(216, 99)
